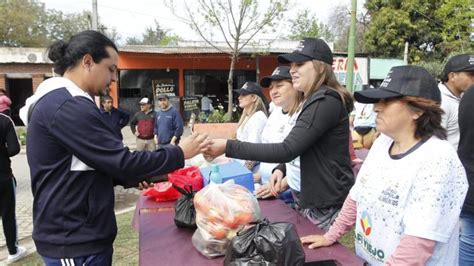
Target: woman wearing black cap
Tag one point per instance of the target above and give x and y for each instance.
(320, 136)
(254, 116)
(408, 195)
(287, 108)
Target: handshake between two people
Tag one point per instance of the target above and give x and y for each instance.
(198, 143)
(193, 145)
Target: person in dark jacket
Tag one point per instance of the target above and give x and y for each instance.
(168, 123)
(75, 157)
(320, 136)
(9, 146)
(117, 118)
(466, 143)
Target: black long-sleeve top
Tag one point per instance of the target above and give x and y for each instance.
(321, 138)
(9, 146)
(466, 143)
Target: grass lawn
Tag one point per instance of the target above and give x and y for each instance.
(126, 244)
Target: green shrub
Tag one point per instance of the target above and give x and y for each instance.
(21, 133)
(217, 116)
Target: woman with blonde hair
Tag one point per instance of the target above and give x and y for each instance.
(254, 117)
(320, 136)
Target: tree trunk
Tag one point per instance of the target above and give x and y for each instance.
(230, 87)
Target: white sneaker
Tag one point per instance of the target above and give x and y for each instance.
(20, 253)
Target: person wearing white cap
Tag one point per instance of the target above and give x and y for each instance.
(142, 125)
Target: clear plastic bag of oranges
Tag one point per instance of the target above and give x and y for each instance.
(221, 211)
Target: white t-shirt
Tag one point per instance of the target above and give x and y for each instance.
(271, 107)
(293, 171)
(251, 131)
(206, 103)
(364, 115)
(450, 106)
(273, 132)
(277, 128)
(420, 194)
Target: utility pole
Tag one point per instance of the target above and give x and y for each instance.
(405, 54)
(95, 22)
(95, 16)
(351, 49)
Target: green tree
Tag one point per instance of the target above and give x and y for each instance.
(62, 26)
(339, 23)
(111, 33)
(433, 28)
(306, 24)
(27, 23)
(457, 18)
(154, 36)
(23, 23)
(236, 22)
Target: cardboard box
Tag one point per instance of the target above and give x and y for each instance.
(232, 170)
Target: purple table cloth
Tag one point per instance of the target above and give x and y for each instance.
(162, 243)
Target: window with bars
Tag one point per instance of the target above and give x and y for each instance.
(214, 83)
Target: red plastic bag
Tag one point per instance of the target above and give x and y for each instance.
(163, 191)
(187, 176)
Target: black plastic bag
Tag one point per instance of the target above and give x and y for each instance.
(185, 213)
(266, 243)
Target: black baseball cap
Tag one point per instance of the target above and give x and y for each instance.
(308, 49)
(403, 81)
(458, 63)
(280, 73)
(251, 87)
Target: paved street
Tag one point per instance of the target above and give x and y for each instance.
(123, 198)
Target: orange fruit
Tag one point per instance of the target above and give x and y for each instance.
(243, 218)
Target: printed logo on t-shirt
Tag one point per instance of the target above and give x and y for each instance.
(363, 238)
(389, 196)
(366, 223)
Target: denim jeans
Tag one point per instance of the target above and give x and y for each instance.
(103, 258)
(466, 239)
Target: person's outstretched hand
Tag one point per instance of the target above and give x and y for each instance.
(194, 144)
(264, 192)
(316, 241)
(275, 183)
(144, 185)
(216, 148)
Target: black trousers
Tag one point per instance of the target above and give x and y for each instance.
(7, 211)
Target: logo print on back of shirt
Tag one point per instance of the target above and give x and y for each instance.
(366, 223)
